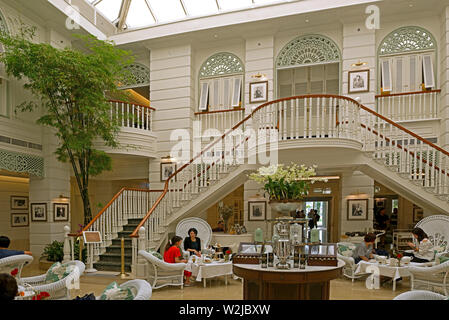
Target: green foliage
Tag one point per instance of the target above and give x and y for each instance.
(55, 251)
(70, 85)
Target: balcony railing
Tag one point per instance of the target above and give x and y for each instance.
(131, 115)
(405, 106)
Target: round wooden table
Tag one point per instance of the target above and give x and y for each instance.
(312, 283)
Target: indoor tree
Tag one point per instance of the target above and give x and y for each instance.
(70, 86)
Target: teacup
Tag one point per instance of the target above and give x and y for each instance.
(406, 261)
(381, 259)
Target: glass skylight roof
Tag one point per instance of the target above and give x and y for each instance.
(129, 14)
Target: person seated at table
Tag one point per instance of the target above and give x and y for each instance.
(220, 227)
(192, 243)
(172, 254)
(5, 252)
(423, 252)
(8, 287)
(364, 250)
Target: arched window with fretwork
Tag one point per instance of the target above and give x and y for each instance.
(221, 82)
(407, 59)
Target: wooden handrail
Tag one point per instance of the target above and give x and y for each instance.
(135, 104)
(220, 111)
(135, 233)
(406, 93)
(107, 206)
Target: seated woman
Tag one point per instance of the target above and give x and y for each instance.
(364, 251)
(172, 254)
(423, 252)
(192, 244)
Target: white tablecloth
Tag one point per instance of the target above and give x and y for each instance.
(385, 270)
(209, 270)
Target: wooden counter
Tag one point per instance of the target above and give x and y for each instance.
(312, 283)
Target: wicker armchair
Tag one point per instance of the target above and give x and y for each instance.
(420, 295)
(13, 265)
(204, 233)
(141, 289)
(433, 277)
(160, 273)
(350, 265)
(59, 290)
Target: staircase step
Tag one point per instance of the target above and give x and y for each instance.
(111, 266)
(118, 242)
(115, 257)
(134, 221)
(118, 249)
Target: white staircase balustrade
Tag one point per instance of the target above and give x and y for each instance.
(220, 120)
(420, 105)
(128, 203)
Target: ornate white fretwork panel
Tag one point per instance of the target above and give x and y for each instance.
(140, 76)
(3, 26)
(308, 49)
(221, 64)
(19, 162)
(407, 39)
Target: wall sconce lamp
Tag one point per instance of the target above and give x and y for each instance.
(259, 76)
(359, 64)
(168, 159)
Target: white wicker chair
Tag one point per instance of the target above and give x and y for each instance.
(59, 290)
(160, 273)
(420, 295)
(141, 289)
(204, 233)
(10, 264)
(437, 229)
(431, 277)
(350, 265)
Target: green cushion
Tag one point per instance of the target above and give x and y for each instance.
(443, 259)
(114, 292)
(58, 271)
(342, 248)
(156, 254)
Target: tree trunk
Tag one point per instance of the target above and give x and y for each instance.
(86, 205)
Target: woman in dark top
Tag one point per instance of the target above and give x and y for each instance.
(192, 243)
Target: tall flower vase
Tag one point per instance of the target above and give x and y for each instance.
(284, 208)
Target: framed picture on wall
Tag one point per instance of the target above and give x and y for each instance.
(167, 169)
(417, 214)
(358, 81)
(60, 212)
(357, 209)
(257, 210)
(19, 203)
(39, 212)
(19, 219)
(258, 92)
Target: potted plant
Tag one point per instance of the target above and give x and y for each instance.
(286, 186)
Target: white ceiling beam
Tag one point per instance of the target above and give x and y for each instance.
(123, 13)
(246, 15)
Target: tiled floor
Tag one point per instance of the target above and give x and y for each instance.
(341, 288)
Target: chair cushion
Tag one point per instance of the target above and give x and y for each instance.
(58, 271)
(156, 254)
(345, 250)
(12, 269)
(443, 258)
(114, 292)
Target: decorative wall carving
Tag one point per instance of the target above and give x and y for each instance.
(140, 76)
(20, 162)
(220, 64)
(407, 39)
(308, 49)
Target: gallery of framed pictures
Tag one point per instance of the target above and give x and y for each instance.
(19, 203)
(167, 169)
(418, 214)
(357, 209)
(257, 210)
(258, 92)
(38, 212)
(358, 81)
(19, 219)
(60, 212)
